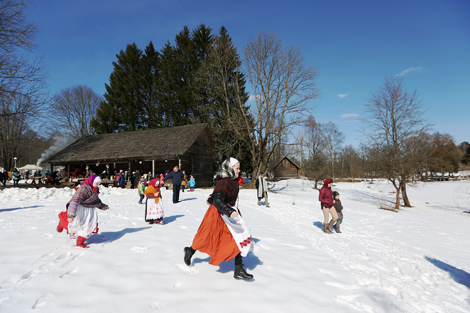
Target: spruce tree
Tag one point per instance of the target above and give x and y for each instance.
(221, 95)
(122, 108)
(151, 87)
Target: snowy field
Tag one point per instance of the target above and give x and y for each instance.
(417, 260)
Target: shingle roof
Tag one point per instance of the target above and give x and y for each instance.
(159, 143)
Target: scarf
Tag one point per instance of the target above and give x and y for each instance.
(89, 181)
(225, 171)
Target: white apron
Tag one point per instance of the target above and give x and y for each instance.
(153, 211)
(241, 233)
(84, 223)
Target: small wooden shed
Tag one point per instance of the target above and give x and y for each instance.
(154, 150)
(286, 169)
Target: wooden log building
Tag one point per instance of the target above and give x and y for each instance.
(154, 150)
(286, 169)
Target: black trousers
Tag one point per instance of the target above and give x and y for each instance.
(176, 193)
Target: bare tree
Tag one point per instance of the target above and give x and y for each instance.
(74, 108)
(395, 119)
(14, 127)
(316, 165)
(18, 74)
(282, 86)
(333, 141)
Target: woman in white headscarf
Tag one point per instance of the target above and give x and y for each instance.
(222, 233)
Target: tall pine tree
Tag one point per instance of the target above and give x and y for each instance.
(122, 108)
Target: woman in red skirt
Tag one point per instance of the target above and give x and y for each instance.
(214, 237)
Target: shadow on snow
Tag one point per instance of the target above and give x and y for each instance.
(111, 236)
(25, 207)
(460, 276)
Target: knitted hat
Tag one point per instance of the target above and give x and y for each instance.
(335, 193)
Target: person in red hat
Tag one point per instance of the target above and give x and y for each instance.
(327, 205)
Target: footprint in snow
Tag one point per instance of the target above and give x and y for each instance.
(71, 272)
(188, 269)
(41, 302)
(140, 249)
(342, 286)
(294, 246)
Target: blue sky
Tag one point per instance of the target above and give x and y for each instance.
(355, 45)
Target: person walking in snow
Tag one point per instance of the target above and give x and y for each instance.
(80, 218)
(141, 189)
(153, 205)
(327, 205)
(184, 182)
(192, 183)
(262, 189)
(176, 178)
(223, 233)
(339, 210)
(16, 177)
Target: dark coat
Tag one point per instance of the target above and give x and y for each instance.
(338, 206)
(176, 177)
(120, 179)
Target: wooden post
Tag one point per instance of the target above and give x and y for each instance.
(153, 168)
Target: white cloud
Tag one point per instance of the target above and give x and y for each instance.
(348, 115)
(411, 69)
(342, 95)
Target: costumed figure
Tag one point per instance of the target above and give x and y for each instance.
(153, 205)
(80, 219)
(223, 234)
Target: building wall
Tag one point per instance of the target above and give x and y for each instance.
(286, 169)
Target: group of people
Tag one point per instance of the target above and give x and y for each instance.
(330, 204)
(223, 234)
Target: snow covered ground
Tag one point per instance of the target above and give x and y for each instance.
(416, 260)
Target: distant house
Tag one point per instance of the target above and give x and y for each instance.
(286, 169)
(154, 150)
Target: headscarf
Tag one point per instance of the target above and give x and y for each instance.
(155, 183)
(226, 169)
(90, 180)
(327, 181)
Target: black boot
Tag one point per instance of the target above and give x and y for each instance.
(188, 254)
(241, 273)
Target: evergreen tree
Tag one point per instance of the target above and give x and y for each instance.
(151, 87)
(122, 108)
(221, 98)
(168, 81)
